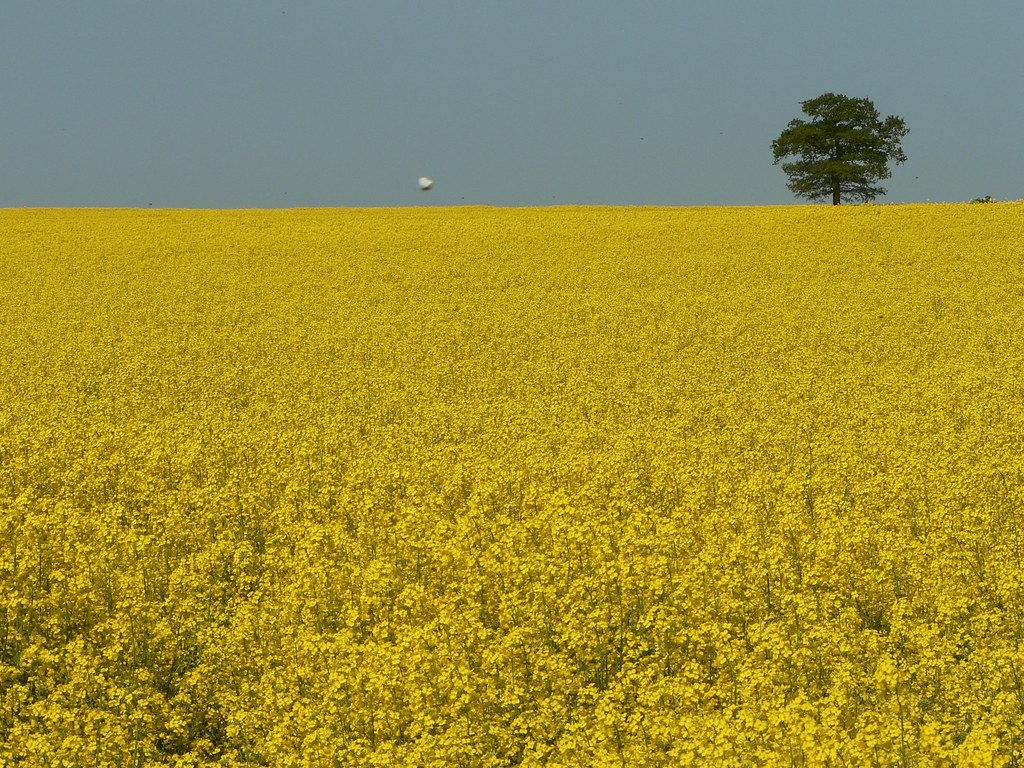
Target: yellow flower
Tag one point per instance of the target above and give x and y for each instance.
(478, 486)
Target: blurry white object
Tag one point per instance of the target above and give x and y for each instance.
(426, 183)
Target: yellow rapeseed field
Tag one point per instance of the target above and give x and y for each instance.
(571, 486)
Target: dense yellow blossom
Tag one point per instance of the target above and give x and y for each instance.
(484, 487)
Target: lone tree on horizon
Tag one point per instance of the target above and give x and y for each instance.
(843, 151)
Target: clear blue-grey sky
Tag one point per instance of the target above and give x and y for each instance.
(282, 103)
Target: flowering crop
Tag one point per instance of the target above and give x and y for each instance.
(483, 487)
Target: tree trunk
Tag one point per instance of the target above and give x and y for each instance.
(835, 192)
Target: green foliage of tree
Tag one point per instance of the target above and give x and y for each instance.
(842, 151)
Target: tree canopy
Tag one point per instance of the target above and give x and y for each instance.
(842, 152)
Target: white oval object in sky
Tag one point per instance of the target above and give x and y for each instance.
(426, 183)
